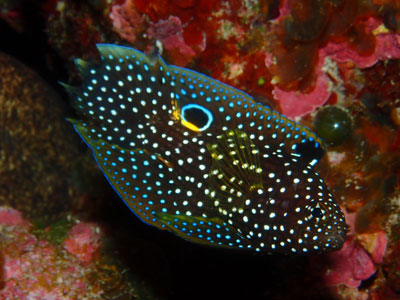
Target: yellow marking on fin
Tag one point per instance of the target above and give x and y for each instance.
(178, 117)
(190, 126)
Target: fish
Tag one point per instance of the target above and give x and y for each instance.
(204, 160)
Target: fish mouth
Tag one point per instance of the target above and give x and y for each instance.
(337, 238)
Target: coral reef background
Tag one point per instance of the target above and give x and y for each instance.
(331, 65)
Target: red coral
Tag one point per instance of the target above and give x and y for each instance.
(305, 28)
(259, 81)
(178, 26)
(83, 241)
(169, 32)
(392, 264)
(184, 10)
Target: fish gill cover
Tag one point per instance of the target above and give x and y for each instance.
(199, 158)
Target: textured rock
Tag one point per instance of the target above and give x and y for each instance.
(38, 148)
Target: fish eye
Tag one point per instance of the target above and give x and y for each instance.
(317, 213)
(196, 117)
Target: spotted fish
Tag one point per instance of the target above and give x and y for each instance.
(201, 159)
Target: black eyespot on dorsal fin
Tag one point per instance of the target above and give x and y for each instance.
(309, 151)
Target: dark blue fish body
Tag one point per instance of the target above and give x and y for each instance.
(199, 158)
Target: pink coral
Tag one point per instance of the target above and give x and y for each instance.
(169, 32)
(83, 241)
(34, 269)
(387, 47)
(375, 243)
(11, 217)
(127, 21)
(349, 266)
(296, 103)
(37, 273)
(357, 259)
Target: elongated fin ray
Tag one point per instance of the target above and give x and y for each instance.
(82, 66)
(236, 169)
(69, 88)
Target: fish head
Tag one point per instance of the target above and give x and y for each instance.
(301, 214)
(320, 225)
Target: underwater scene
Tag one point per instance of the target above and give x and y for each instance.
(199, 149)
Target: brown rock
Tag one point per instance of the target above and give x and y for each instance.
(38, 148)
